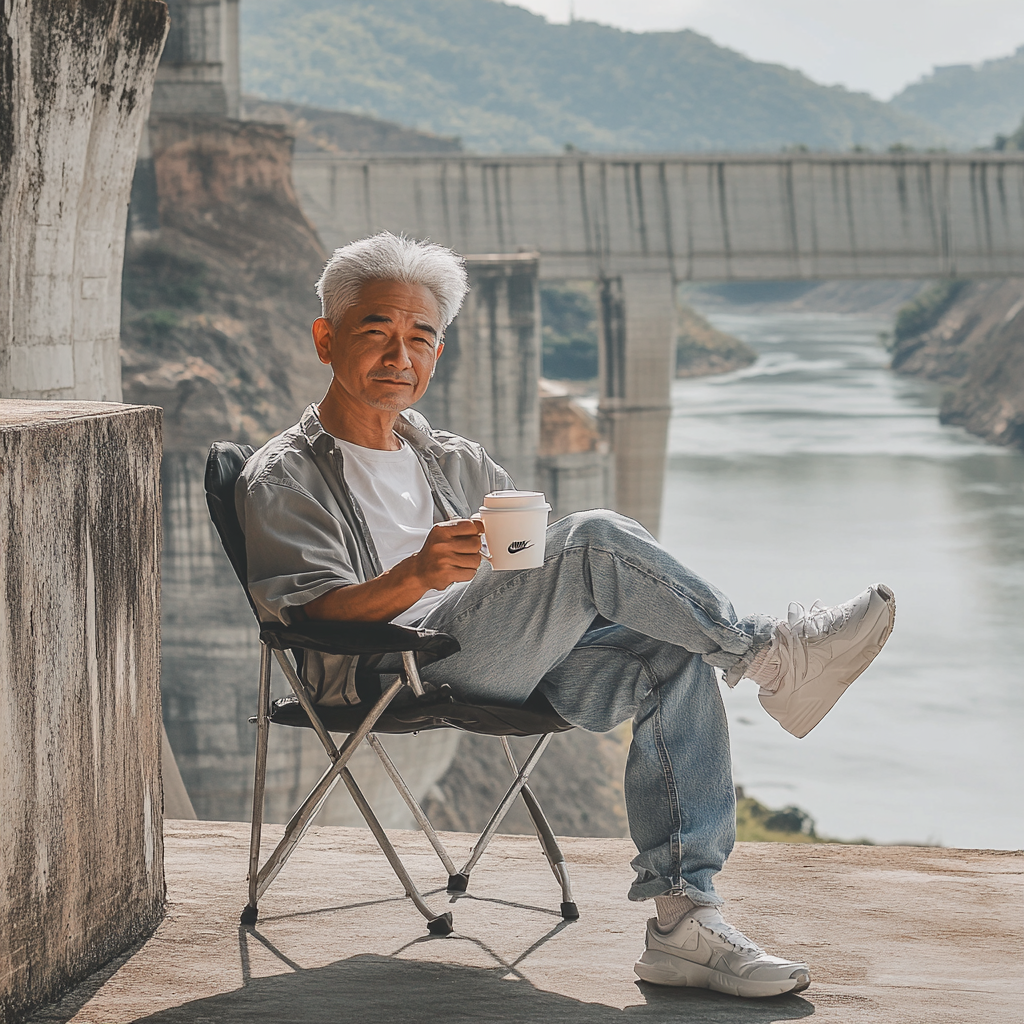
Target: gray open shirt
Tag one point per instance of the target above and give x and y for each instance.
(305, 534)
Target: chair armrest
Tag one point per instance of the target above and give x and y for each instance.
(358, 638)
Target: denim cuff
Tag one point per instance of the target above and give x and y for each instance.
(759, 629)
(651, 887)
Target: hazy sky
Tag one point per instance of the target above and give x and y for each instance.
(875, 46)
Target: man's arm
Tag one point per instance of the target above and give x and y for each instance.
(450, 554)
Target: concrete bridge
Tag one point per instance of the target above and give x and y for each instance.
(638, 225)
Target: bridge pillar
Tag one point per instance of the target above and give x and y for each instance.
(637, 363)
(486, 382)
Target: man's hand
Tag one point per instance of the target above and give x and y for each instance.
(450, 554)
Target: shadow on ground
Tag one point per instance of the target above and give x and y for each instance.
(371, 989)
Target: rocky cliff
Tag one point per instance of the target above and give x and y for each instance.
(703, 350)
(217, 304)
(970, 336)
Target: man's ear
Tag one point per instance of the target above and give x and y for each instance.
(323, 338)
(437, 354)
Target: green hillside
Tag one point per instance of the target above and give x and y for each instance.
(506, 80)
(972, 103)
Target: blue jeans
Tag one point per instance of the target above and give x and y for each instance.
(654, 664)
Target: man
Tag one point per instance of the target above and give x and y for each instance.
(362, 512)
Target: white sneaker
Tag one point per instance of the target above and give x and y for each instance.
(817, 653)
(702, 951)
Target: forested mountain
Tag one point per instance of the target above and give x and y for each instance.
(506, 80)
(971, 103)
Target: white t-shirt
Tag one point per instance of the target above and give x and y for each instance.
(395, 498)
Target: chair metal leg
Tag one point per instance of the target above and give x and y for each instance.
(411, 672)
(412, 803)
(458, 882)
(251, 911)
(303, 817)
(548, 842)
(437, 924)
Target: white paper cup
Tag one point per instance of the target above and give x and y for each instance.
(515, 535)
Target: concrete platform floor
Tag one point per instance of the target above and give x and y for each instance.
(892, 934)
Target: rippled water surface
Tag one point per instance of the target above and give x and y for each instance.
(811, 474)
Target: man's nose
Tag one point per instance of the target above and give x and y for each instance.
(397, 352)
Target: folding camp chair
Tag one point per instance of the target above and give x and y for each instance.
(423, 710)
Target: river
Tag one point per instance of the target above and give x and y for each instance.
(811, 474)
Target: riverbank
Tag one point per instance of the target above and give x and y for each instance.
(969, 337)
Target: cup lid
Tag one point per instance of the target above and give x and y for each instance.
(514, 499)
(527, 508)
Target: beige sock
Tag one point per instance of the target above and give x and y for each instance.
(671, 910)
(765, 667)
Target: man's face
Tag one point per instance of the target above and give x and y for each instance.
(384, 349)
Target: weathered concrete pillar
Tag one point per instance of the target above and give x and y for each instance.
(73, 100)
(637, 350)
(81, 820)
(487, 378)
(190, 79)
(232, 59)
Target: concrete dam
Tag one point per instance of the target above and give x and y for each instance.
(638, 225)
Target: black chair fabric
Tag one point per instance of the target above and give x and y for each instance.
(535, 717)
(360, 638)
(223, 467)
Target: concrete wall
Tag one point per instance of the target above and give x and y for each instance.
(81, 842)
(485, 387)
(697, 218)
(73, 101)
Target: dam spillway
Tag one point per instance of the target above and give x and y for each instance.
(640, 224)
(755, 217)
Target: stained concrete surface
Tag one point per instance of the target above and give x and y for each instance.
(81, 859)
(892, 934)
(74, 91)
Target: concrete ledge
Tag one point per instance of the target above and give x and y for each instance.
(893, 934)
(81, 866)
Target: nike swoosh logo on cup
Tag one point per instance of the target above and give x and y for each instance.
(519, 545)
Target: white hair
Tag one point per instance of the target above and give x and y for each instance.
(388, 257)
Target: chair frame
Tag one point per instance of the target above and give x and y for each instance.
(416, 646)
(260, 878)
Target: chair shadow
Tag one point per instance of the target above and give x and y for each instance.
(427, 894)
(379, 901)
(456, 897)
(508, 968)
(370, 988)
